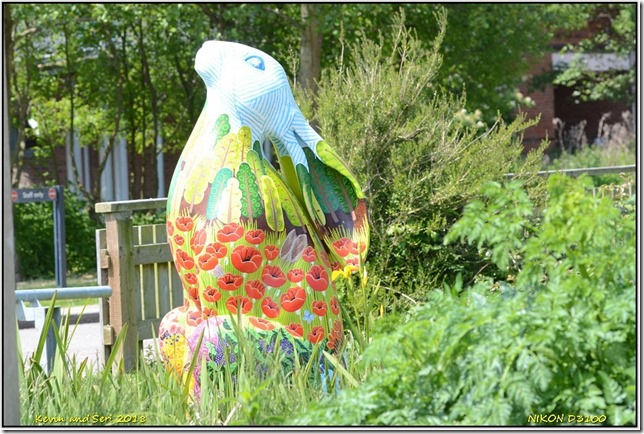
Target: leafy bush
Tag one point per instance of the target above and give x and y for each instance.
(34, 237)
(558, 338)
(417, 162)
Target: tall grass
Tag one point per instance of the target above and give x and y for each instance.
(82, 393)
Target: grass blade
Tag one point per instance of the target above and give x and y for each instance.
(193, 362)
(339, 368)
(43, 333)
(110, 361)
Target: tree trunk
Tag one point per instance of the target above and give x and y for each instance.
(310, 47)
(150, 151)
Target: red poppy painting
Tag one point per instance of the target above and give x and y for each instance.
(272, 275)
(318, 278)
(335, 306)
(255, 236)
(270, 308)
(184, 223)
(193, 292)
(293, 299)
(207, 261)
(318, 307)
(230, 233)
(295, 329)
(239, 302)
(198, 241)
(191, 278)
(271, 252)
(211, 294)
(316, 335)
(179, 240)
(309, 254)
(295, 275)
(261, 323)
(195, 318)
(343, 246)
(208, 311)
(230, 282)
(217, 249)
(246, 259)
(255, 289)
(184, 260)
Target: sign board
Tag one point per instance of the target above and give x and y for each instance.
(27, 195)
(50, 194)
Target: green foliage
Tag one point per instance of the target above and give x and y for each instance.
(499, 220)
(617, 34)
(485, 54)
(417, 163)
(34, 237)
(559, 338)
(149, 217)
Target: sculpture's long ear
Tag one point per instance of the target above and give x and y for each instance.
(331, 195)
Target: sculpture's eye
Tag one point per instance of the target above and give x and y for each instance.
(255, 61)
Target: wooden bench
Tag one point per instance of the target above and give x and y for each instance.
(135, 261)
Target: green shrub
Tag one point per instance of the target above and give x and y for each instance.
(417, 162)
(558, 338)
(34, 237)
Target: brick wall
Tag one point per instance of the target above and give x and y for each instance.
(38, 172)
(544, 106)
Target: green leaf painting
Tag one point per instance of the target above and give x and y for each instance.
(216, 189)
(251, 200)
(199, 176)
(229, 207)
(289, 202)
(272, 204)
(227, 152)
(255, 162)
(222, 126)
(244, 137)
(345, 191)
(313, 206)
(322, 185)
(328, 155)
(257, 147)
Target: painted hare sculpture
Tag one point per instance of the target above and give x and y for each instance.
(254, 244)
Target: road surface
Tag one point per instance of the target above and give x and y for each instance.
(86, 342)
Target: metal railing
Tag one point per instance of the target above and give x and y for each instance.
(588, 171)
(37, 313)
